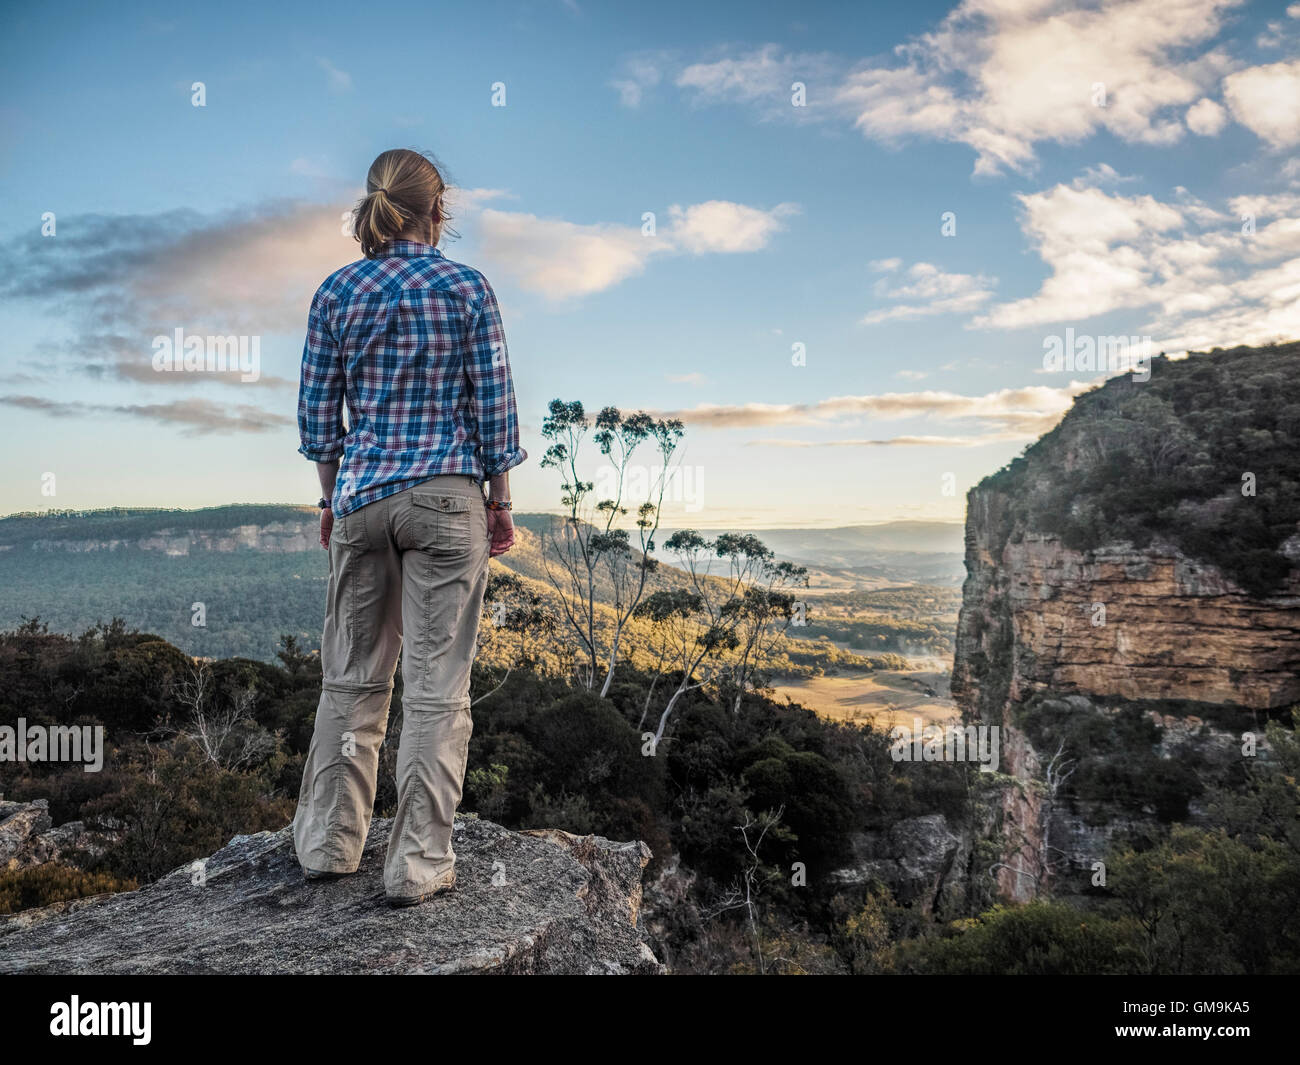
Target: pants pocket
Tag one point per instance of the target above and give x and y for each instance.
(349, 530)
(442, 522)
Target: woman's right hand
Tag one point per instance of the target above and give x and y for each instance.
(501, 531)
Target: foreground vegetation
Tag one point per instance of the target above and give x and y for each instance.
(735, 801)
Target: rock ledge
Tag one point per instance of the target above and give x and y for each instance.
(541, 901)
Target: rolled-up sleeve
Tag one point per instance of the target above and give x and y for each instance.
(320, 388)
(492, 390)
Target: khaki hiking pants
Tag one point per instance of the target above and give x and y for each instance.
(407, 573)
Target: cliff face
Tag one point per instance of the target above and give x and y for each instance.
(274, 537)
(1114, 621)
(1068, 631)
(1088, 632)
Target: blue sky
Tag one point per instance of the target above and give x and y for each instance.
(1111, 169)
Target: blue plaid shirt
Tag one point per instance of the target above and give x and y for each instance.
(414, 343)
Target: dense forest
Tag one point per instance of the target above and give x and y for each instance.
(200, 752)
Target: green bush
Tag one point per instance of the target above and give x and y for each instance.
(1037, 939)
(1131, 457)
(44, 885)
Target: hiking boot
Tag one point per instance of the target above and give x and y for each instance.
(318, 874)
(402, 901)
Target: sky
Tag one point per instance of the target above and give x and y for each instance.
(841, 242)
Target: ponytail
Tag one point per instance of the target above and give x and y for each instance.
(404, 191)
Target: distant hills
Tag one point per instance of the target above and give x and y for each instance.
(258, 572)
(872, 556)
(851, 545)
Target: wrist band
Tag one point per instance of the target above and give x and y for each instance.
(499, 504)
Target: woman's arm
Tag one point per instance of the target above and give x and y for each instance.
(501, 526)
(321, 387)
(492, 397)
(320, 406)
(492, 390)
(327, 472)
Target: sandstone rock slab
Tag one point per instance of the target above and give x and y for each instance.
(525, 902)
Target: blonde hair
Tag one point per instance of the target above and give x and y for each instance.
(404, 192)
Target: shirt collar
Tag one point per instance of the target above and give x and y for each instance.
(406, 249)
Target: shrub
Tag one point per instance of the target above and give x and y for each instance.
(44, 885)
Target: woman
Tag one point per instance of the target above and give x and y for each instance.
(413, 342)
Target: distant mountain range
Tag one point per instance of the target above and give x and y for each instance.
(870, 556)
(258, 572)
(896, 552)
(849, 544)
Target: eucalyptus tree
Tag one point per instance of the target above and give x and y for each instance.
(591, 550)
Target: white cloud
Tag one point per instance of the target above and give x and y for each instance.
(473, 199)
(1103, 174)
(563, 259)
(1003, 76)
(721, 226)
(1266, 206)
(1202, 279)
(1266, 100)
(119, 281)
(1095, 245)
(764, 75)
(1206, 118)
(893, 441)
(936, 292)
(1008, 414)
(1272, 37)
(638, 74)
(252, 273)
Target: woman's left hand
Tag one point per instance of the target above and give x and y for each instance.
(501, 531)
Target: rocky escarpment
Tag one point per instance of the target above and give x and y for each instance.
(525, 902)
(236, 528)
(1072, 637)
(275, 537)
(1114, 621)
(1085, 633)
